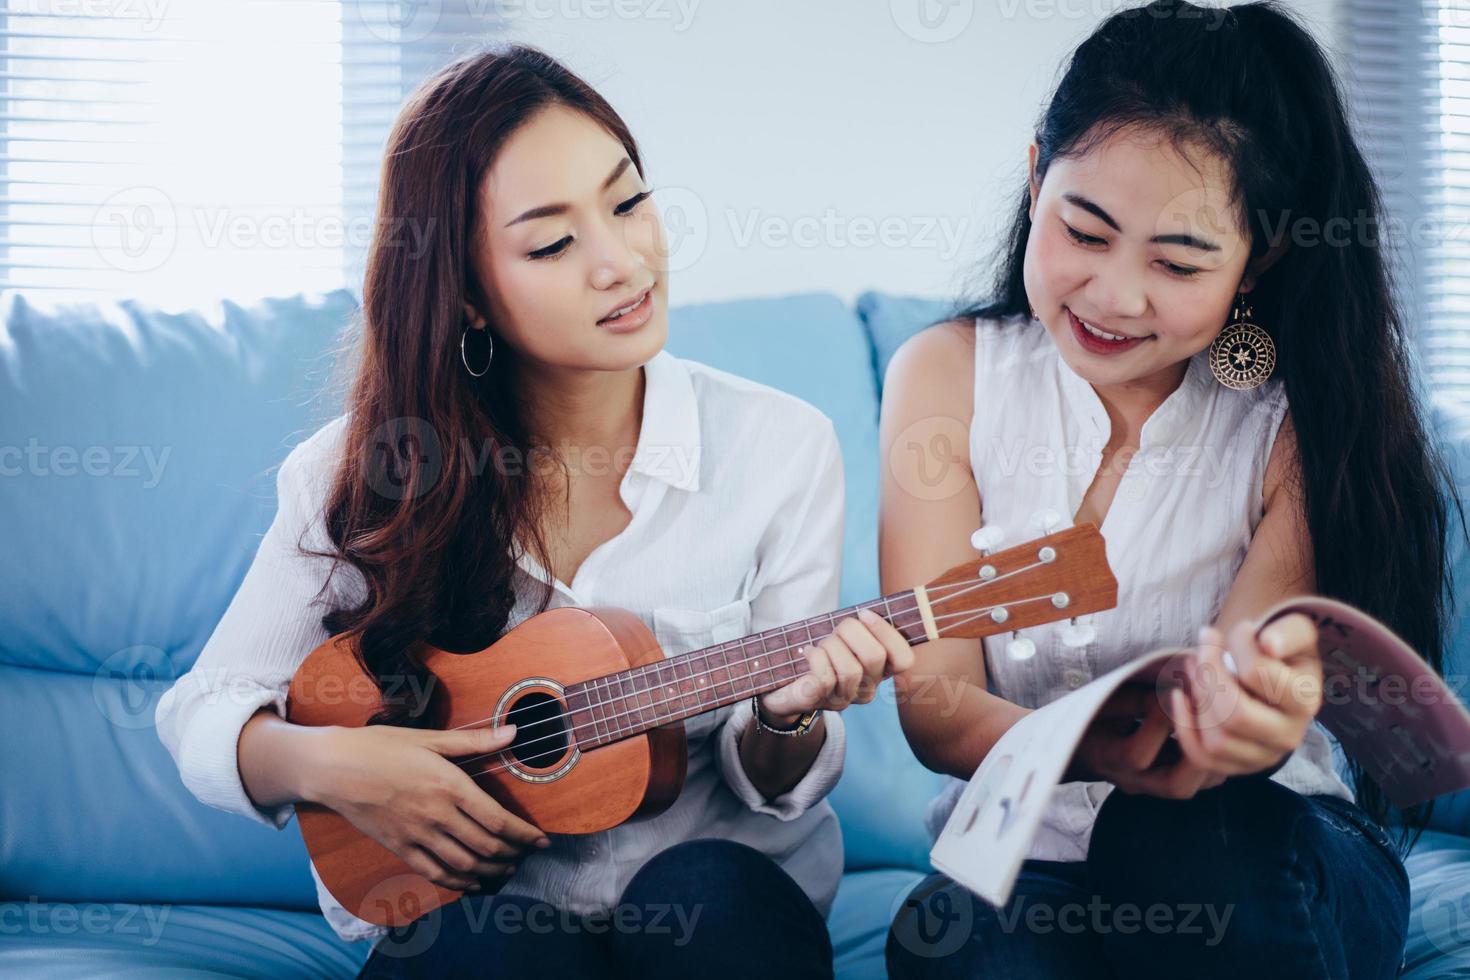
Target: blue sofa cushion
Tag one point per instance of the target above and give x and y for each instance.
(148, 446)
(145, 942)
(1439, 908)
(891, 320)
(147, 443)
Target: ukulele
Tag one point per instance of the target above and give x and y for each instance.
(599, 708)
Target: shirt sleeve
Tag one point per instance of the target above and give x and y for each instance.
(270, 626)
(801, 580)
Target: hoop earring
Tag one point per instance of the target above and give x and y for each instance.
(1243, 356)
(489, 356)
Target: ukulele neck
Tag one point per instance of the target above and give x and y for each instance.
(630, 702)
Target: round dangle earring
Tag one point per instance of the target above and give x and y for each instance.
(484, 340)
(1243, 356)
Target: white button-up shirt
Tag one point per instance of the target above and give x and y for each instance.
(736, 495)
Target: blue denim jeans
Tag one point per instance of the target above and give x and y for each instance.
(705, 909)
(1245, 880)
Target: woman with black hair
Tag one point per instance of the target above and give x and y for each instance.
(1178, 351)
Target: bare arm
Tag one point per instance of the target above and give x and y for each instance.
(1278, 564)
(929, 508)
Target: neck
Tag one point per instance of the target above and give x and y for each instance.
(579, 407)
(634, 701)
(1130, 403)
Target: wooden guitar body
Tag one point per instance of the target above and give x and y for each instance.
(542, 777)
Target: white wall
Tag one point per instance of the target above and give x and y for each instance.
(834, 145)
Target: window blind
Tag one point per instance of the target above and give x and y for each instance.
(1409, 85)
(184, 150)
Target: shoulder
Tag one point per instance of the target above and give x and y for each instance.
(943, 350)
(1284, 458)
(308, 468)
(932, 374)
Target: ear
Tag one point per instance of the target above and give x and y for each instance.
(1257, 267)
(472, 316)
(1033, 183)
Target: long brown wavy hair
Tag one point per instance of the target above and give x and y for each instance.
(434, 499)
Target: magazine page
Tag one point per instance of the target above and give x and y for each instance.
(1389, 710)
(989, 833)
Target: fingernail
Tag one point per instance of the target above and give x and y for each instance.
(867, 613)
(543, 842)
(504, 731)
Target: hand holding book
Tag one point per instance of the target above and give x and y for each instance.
(1233, 722)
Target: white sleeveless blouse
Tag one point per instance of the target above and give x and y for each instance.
(1176, 532)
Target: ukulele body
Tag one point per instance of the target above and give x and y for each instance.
(543, 776)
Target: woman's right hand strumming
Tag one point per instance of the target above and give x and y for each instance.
(400, 787)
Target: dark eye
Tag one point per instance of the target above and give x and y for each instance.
(1182, 271)
(627, 206)
(1080, 238)
(554, 249)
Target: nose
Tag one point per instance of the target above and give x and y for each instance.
(1119, 290)
(615, 261)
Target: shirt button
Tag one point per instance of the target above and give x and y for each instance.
(1074, 678)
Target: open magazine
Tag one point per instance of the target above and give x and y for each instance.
(1389, 710)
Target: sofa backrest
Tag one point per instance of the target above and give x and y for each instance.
(137, 463)
(139, 455)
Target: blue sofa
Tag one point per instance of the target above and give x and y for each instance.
(137, 455)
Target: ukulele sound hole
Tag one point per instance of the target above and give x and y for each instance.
(541, 732)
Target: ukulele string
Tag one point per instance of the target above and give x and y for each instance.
(642, 672)
(595, 723)
(964, 587)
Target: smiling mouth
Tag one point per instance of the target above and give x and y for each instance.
(1101, 334)
(623, 311)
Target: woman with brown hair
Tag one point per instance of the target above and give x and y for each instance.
(516, 439)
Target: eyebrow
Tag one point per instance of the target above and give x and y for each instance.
(548, 210)
(1188, 241)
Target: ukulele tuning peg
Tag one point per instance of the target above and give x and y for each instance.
(1020, 647)
(1046, 521)
(1075, 634)
(987, 539)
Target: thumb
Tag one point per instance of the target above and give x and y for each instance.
(1289, 636)
(469, 741)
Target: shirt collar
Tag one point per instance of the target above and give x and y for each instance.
(668, 439)
(1167, 423)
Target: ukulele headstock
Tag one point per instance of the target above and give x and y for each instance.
(1055, 577)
